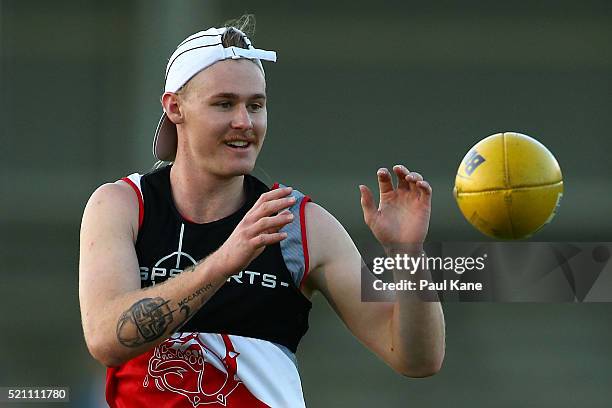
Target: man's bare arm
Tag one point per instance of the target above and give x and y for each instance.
(121, 320)
(407, 334)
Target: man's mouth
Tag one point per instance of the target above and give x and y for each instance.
(238, 144)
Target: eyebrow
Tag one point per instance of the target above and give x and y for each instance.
(230, 95)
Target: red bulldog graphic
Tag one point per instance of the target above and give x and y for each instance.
(184, 365)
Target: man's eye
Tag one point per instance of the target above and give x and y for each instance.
(256, 107)
(224, 104)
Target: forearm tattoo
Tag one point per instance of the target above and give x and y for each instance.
(144, 322)
(148, 319)
(195, 294)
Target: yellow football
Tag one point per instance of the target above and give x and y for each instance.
(508, 186)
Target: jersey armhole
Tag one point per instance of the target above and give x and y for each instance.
(294, 248)
(138, 193)
(305, 200)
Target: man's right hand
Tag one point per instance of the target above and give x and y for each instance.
(259, 228)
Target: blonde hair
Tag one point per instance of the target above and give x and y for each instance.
(233, 38)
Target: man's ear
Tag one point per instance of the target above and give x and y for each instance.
(171, 104)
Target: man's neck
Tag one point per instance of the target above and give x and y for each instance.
(202, 197)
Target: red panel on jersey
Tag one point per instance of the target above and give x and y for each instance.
(140, 202)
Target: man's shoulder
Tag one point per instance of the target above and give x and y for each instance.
(328, 244)
(119, 192)
(113, 202)
(319, 219)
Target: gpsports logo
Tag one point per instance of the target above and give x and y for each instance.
(169, 265)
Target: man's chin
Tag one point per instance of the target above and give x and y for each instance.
(237, 171)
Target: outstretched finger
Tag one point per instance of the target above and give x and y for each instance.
(272, 224)
(385, 183)
(268, 239)
(268, 208)
(401, 172)
(367, 203)
(416, 176)
(426, 191)
(412, 179)
(274, 195)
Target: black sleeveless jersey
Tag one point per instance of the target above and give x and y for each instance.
(263, 301)
(238, 349)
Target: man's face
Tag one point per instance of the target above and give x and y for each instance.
(225, 118)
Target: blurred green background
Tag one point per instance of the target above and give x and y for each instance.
(358, 85)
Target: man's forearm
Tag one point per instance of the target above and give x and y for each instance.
(418, 321)
(134, 322)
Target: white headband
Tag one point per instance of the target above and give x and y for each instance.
(195, 53)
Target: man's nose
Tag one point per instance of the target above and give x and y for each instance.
(241, 118)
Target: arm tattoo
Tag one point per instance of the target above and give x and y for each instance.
(148, 319)
(144, 322)
(195, 294)
(185, 309)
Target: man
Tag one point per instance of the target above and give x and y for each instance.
(244, 259)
